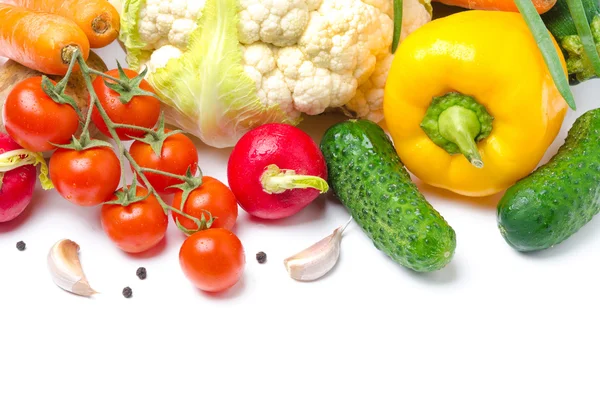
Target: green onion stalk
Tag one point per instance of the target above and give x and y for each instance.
(586, 43)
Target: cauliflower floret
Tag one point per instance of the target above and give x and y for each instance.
(368, 100)
(162, 56)
(418, 15)
(303, 56)
(260, 66)
(276, 22)
(169, 22)
(337, 52)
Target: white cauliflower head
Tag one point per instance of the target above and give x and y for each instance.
(264, 60)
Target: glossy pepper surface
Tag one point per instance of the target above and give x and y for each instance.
(470, 104)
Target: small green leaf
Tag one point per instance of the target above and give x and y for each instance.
(122, 75)
(190, 184)
(59, 97)
(202, 223)
(83, 143)
(187, 231)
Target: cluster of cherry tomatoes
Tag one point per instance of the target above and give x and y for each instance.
(213, 259)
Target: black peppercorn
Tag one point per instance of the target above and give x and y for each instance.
(21, 246)
(261, 257)
(127, 292)
(141, 273)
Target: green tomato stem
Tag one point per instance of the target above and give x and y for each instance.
(106, 76)
(134, 127)
(123, 153)
(275, 180)
(88, 118)
(148, 185)
(62, 84)
(85, 72)
(163, 173)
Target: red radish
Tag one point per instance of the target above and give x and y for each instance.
(276, 170)
(16, 185)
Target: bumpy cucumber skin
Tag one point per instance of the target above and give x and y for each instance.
(557, 199)
(370, 180)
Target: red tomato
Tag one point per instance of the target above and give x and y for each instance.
(213, 260)
(177, 155)
(141, 111)
(212, 196)
(137, 227)
(34, 120)
(87, 177)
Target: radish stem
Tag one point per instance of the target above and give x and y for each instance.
(276, 180)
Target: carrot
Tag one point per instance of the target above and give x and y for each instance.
(97, 18)
(500, 5)
(40, 41)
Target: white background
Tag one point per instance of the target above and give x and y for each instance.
(493, 323)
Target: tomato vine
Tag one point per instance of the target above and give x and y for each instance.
(127, 89)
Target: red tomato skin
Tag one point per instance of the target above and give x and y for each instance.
(213, 196)
(16, 186)
(285, 146)
(34, 120)
(137, 227)
(142, 111)
(213, 260)
(177, 155)
(86, 178)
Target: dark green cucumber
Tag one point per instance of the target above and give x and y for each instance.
(560, 23)
(370, 180)
(560, 197)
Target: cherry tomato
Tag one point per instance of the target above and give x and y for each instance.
(213, 259)
(87, 177)
(142, 111)
(34, 120)
(137, 227)
(177, 155)
(212, 196)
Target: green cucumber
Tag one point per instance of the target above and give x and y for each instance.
(370, 180)
(560, 23)
(560, 197)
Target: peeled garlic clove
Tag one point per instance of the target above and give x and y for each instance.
(318, 259)
(66, 270)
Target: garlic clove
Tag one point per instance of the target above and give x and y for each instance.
(65, 268)
(317, 260)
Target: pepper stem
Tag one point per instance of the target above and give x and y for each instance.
(275, 180)
(461, 126)
(456, 122)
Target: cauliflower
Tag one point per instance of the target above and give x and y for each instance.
(226, 66)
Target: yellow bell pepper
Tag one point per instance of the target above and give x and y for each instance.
(470, 103)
